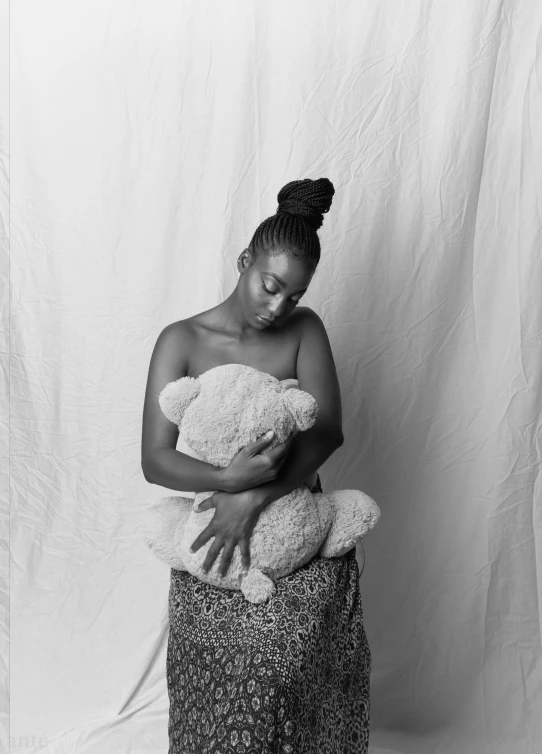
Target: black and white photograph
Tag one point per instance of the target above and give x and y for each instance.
(270, 377)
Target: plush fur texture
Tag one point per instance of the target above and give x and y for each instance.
(219, 413)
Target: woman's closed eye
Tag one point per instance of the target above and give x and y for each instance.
(274, 293)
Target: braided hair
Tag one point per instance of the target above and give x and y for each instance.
(292, 229)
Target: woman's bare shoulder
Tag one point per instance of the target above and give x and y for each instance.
(178, 339)
(305, 313)
(189, 327)
(176, 333)
(171, 350)
(313, 338)
(306, 318)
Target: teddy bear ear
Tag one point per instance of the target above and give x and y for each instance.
(303, 407)
(177, 396)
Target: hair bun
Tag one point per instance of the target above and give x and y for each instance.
(307, 198)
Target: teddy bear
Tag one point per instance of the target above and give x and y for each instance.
(219, 413)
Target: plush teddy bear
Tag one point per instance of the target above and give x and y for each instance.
(218, 413)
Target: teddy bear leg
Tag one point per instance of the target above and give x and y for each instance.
(160, 524)
(257, 586)
(355, 514)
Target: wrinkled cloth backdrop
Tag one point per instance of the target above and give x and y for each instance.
(147, 141)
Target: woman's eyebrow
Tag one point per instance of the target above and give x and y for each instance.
(281, 281)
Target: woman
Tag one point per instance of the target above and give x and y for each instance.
(291, 674)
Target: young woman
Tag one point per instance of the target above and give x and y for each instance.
(291, 674)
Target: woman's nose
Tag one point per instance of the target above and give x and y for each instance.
(277, 310)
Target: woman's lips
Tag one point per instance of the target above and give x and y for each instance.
(264, 320)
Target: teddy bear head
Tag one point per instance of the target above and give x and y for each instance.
(231, 406)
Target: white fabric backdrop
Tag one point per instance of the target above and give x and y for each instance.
(148, 140)
(4, 378)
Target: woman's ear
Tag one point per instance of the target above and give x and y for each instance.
(177, 396)
(243, 260)
(303, 407)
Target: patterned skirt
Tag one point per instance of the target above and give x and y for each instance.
(289, 675)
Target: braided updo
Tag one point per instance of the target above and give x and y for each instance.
(300, 213)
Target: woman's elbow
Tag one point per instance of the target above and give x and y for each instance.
(331, 436)
(334, 437)
(146, 468)
(339, 438)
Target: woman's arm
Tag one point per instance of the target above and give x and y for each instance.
(317, 375)
(161, 463)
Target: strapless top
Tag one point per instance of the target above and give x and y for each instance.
(183, 447)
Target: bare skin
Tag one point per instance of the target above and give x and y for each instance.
(294, 345)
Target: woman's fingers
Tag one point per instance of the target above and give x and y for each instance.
(281, 449)
(244, 546)
(212, 554)
(207, 504)
(227, 555)
(203, 537)
(258, 445)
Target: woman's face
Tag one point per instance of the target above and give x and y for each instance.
(271, 286)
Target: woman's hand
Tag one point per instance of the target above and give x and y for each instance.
(250, 467)
(235, 517)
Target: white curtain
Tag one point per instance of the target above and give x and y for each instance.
(147, 141)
